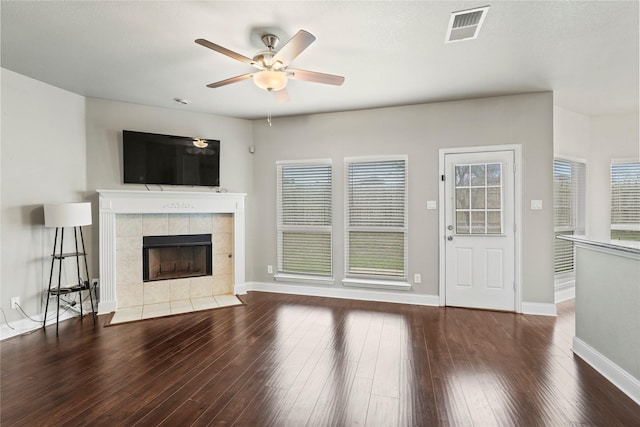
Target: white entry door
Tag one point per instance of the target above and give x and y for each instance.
(480, 236)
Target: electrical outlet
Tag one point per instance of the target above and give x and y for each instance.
(94, 283)
(269, 269)
(417, 278)
(15, 302)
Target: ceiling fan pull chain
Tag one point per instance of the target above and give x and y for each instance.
(269, 118)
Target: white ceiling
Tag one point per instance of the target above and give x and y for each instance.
(391, 53)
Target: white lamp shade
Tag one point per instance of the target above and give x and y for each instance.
(270, 80)
(67, 214)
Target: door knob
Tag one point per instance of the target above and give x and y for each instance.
(449, 238)
(449, 227)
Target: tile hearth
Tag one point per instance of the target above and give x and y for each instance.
(149, 311)
(132, 291)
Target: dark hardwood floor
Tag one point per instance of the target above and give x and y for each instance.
(286, 360)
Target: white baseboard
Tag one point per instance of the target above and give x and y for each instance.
(565, 288)
(27, 325)
(565, 293)
(240, 289)
(105, 307)
(539, 308)
(356, 294)
(626, 382)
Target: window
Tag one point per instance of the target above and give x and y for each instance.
(569, 179)
(478, 195)
(376, 219)
(625, 200)
(304, 220)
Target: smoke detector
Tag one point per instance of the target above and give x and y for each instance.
(465, 24)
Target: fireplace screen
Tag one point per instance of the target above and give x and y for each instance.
(175, 257)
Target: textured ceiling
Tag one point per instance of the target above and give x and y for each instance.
(391, 53)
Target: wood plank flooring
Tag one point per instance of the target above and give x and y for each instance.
(284, 360)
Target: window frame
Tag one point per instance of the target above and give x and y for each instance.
(298, 277)
(376, 281)
(578, 209)
(632, 227)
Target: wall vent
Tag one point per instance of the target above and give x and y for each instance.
(465, 24)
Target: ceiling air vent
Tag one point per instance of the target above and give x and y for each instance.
(465, 24)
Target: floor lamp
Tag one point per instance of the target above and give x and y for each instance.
(61, 215)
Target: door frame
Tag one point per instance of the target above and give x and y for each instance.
(517, 188)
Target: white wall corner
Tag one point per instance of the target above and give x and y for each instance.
(107, 307)
(400, 297)
(240, 289)
(626, 382)
(565, 291)
(539, 308)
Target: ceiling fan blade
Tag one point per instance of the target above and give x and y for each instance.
(294, 47)
(229, 53)
(231, 80)
(312, 76)
(282, 95)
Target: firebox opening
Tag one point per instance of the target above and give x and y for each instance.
(175, 257)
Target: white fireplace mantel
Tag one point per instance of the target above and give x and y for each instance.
(113, 202)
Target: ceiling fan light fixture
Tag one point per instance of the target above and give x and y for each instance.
(270, 80)
(200, 143)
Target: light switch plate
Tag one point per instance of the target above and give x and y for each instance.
(431, 204)
(536, 204)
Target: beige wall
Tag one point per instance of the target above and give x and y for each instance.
(61, 147)
(611, 137)
(58, 146)
(570, 134)
(418, 131)
(107, 119)
(597, 140)
(43, 161)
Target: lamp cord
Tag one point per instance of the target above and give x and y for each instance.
(27, 316)
(6, 320)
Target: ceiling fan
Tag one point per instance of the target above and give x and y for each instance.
(273, 66)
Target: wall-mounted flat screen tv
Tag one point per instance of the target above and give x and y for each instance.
(151, 158)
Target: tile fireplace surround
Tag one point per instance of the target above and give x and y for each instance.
(125, 216)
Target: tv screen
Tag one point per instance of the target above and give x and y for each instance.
(151, 158)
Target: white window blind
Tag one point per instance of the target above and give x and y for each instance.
(625, 201)
(569, 182)
(304, 219)
(376, 218)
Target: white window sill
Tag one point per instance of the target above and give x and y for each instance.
(378, 284)
(300, 278)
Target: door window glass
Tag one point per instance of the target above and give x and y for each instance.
(478, 197)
